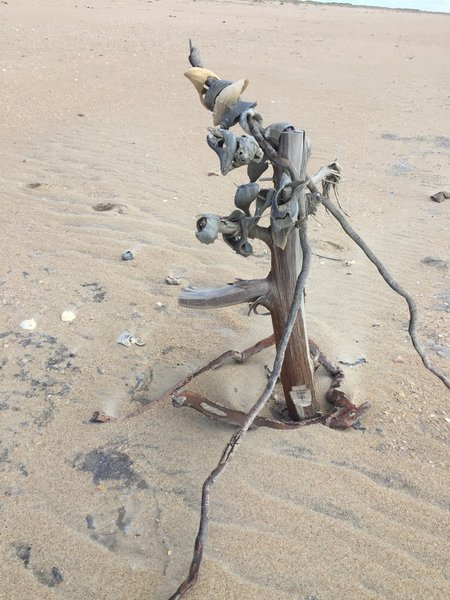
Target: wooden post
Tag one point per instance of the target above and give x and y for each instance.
(297, 373)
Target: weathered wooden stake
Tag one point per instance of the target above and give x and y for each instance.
(297, 372)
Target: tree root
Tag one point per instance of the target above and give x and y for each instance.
(223, 414)
(239, 357)
(344, 416)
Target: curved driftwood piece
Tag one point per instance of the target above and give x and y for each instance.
(222, 414)
(250, 290)
(235, 355)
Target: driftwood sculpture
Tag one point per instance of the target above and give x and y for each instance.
(288, 204)
(293, 196)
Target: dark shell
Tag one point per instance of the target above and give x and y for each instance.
(232, 115)
(273, 131)
(245, 195)
(226, 150)
(213, 91)
(256, 169)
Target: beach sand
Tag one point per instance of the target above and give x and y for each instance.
(95, 109)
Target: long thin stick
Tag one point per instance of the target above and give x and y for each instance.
(337, 214)
(236, 438)
(412, 306)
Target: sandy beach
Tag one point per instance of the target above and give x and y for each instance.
(95, 110)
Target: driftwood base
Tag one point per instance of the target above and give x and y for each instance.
(345, 414)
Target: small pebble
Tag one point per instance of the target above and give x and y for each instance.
(90, 522)
(399, 360)
(128, 255)
(160, 305)
(447, 419)
(58, 576)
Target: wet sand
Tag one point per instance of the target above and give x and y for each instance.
(96, 110)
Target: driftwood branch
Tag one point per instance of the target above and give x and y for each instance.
(236, 438)
(251, 290)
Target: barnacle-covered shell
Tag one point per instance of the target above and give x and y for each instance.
(247, 151)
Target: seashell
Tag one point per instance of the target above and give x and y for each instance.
(67, 316)
(245, 195)
(209, 99)
(126, 339)
(128, 255)
(256, 169)
(208, 229)
(233, 114)
(247, 151)
(228, 96)
(224, 143)
(28, 324)
(198, 76)
(173, 280)
(273, 131)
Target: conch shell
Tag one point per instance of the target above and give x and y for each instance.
(198, 76)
